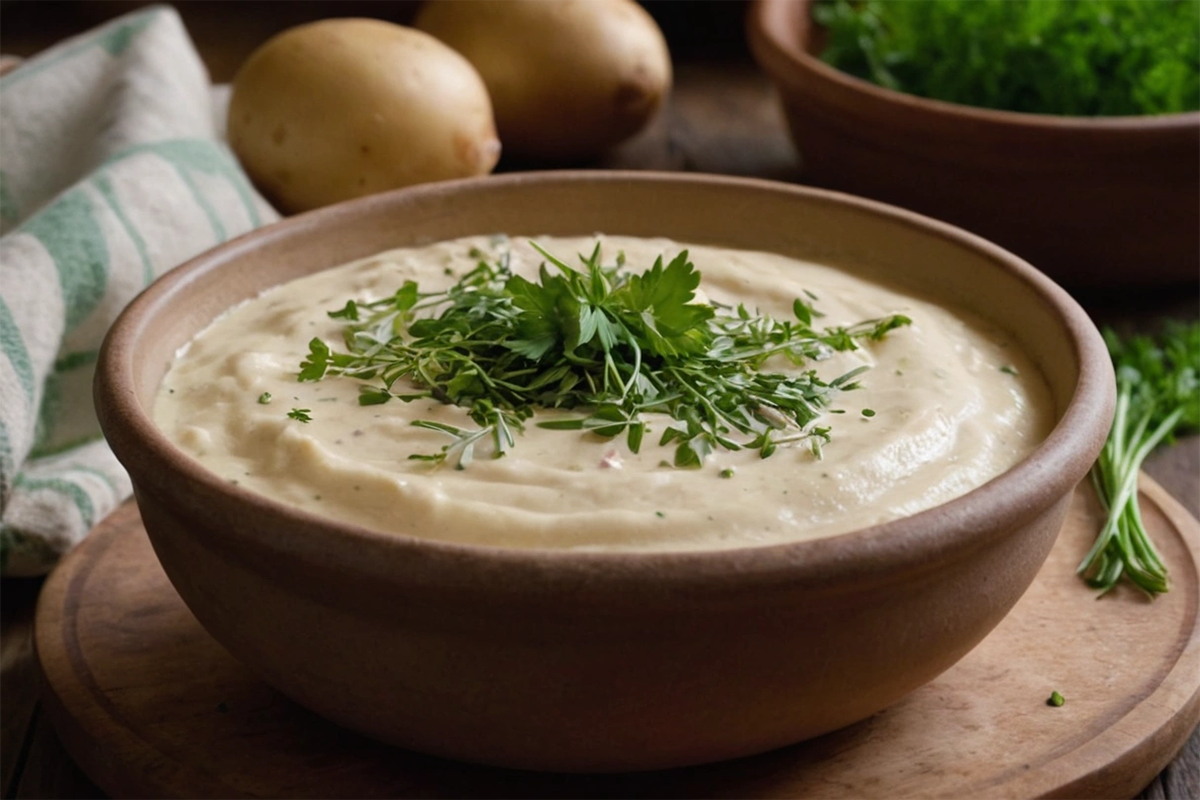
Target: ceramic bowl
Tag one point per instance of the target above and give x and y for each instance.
(602, 661)
(1100, 201)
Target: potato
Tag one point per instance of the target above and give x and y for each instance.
(568, 78)
(347, 107)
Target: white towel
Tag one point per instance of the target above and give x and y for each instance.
(112, 172)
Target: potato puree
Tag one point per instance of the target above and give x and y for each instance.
(947, 419)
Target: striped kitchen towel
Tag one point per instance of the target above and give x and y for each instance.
(111, 172)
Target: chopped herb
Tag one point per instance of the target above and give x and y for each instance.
(868, 412)
(1100, 57)
(607, 342)
(300, 414)
(1158, 395)
(1009, 369)
(659, 514)
(264, 398)
(1055, 699)
(726, 473)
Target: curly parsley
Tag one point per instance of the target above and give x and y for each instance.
(1074, 57)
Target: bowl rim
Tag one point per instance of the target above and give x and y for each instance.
(886, 552)
(772, 32)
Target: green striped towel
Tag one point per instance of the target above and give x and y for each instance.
(111, 172)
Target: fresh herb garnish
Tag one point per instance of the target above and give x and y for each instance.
(300, 414)
(264, 398)
(1099, 57)
(1055, 699)
(1158, 395)
(614, 344)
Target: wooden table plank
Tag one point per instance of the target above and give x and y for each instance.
(1180, 778)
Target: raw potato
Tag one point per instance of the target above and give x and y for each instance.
(347, 107)
(568, 78)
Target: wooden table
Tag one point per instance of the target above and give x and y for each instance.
(722, 118)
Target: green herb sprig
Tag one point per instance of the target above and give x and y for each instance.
(613, 344)
(1074, 57)
(1158, 396)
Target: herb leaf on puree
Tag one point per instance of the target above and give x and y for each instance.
(609, 342)
(1158, 395)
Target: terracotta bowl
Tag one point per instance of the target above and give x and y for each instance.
(591, 661)
(1093, 201)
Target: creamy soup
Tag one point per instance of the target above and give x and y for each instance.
(954, 402)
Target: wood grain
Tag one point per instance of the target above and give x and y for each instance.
(151, 706)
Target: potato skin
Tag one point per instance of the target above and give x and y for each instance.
(341, 108)
(568, 78)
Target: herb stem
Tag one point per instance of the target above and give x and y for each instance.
(1158, 394)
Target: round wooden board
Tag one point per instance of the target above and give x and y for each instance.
(150, 705)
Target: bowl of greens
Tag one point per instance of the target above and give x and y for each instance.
(1067, 132)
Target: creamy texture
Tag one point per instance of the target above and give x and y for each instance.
(948, 419)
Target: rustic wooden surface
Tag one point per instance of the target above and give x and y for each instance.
(153, 707)
(722, 118)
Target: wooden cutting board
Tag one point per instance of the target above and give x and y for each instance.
(150, 705)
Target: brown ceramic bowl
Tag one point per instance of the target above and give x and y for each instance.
(1093, 201)
(591, 661)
